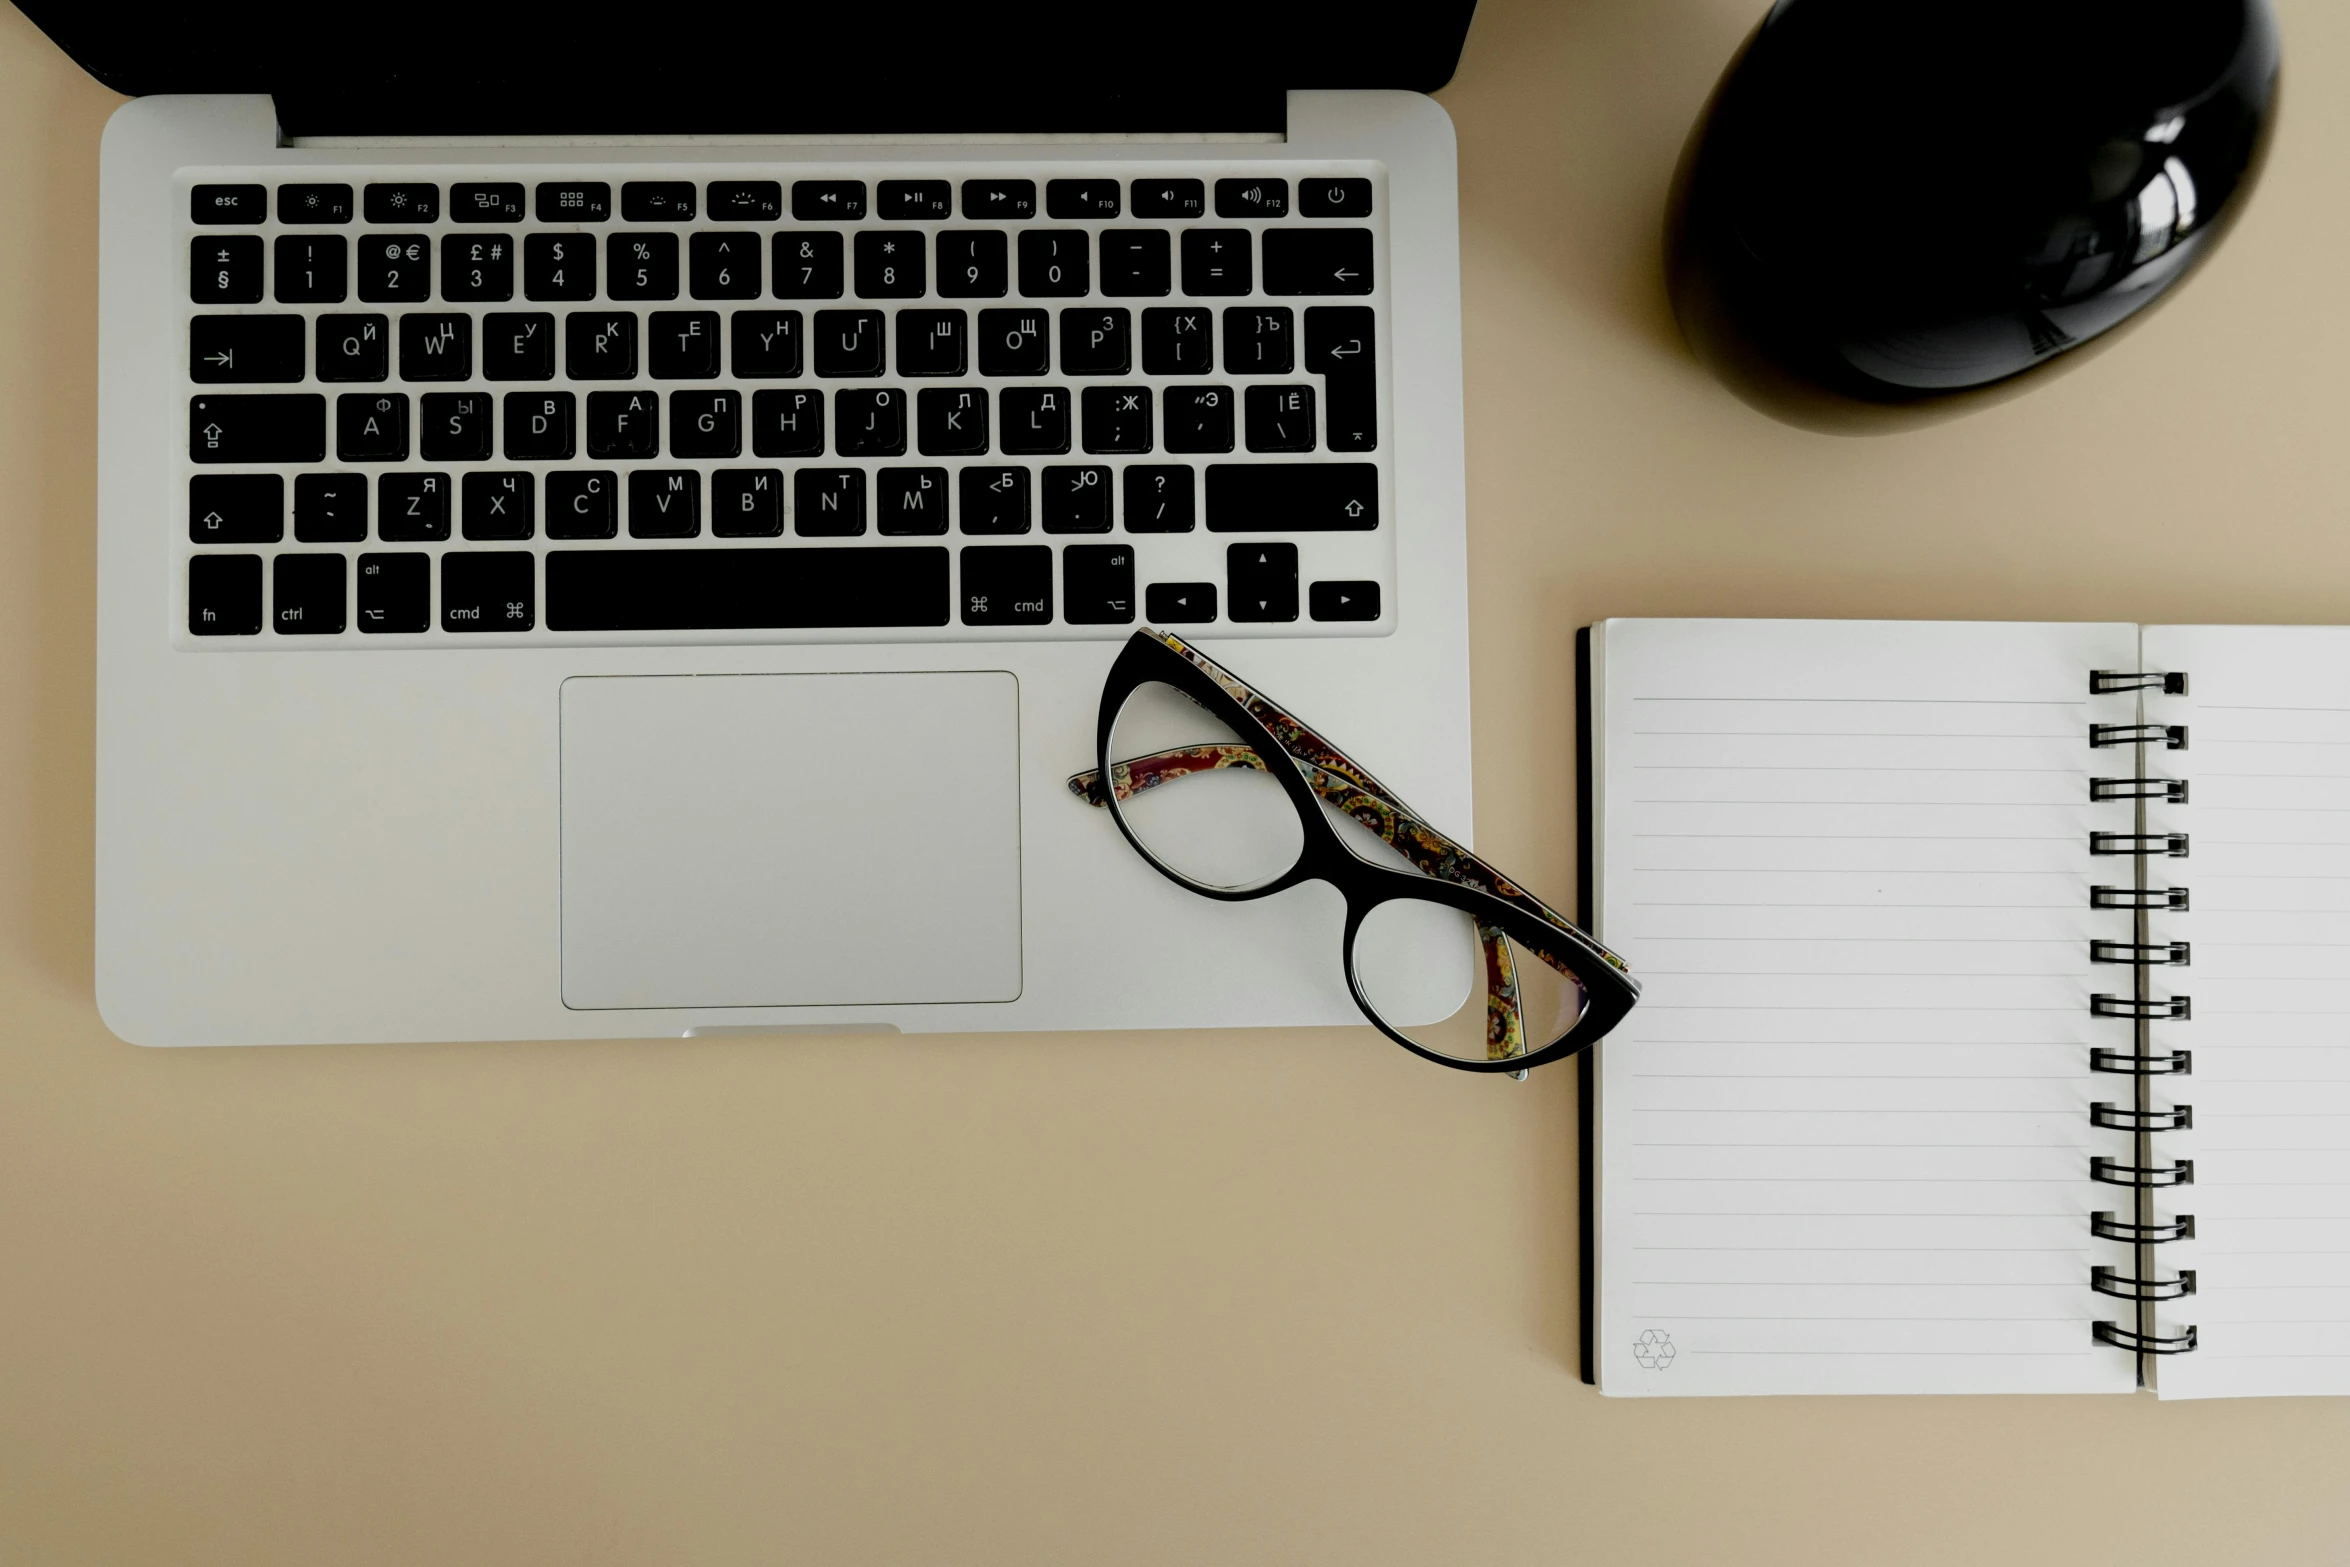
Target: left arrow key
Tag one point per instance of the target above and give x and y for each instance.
(244, 348)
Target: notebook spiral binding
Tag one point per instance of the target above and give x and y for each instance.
(2142, 1174)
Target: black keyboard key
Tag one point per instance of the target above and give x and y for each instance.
(1095, 342)
(1015, 342)
(1055, 263)
(746, 503)
(494, 203)
(395, 592)
(1178, 342)
(1334, 199)
(1076, 499)
(682, 345)
(395, 268)
(1160, 498)
(454, 427)
(849, 342)
(1097, 584)
(1073, 200)
(1135, 263)
(371, 427)
(436, 347)
(477, 268)
(1007, 585)
(829, 503)
(1216, 261)
(1117, 419)
(1341, 348)
(583, 503)
(1259, 340)
(664, 503)
(724, 264)
(489, 590)
(228, 204)
(1199, 418)
(409, 203)
(1263, 580)
(576, 202)
(951, 421)
(999, 200)
(540, 426)
(236, 508)
(890, 265)
(972, 264)
(312, 269)
(224, 349)
(1180, 603)
(641, 266)
(869, 422)
(558, 266)
(225, 269)
(257, 428)
(1036, 420)
(994, 500)
(498, 505)
(224, 595)
(934, 342)
(600, 345)
(624, 424)
(412, 508)
(746, 589)
(827, 201)
(1292, 497)
(766, 344)
(354, 348)
(808, 266)
(787, 423)
(657, 201)
(1317, 261)
(911, 502)
(706, 424)
(314, 203)
(746, 201)
(1343, 601)
(1170, 199)
(331, 508)
(518, 346)
(1252, 197)
(1281, 419)
(913, 201)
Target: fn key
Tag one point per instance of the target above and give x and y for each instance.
(489, 590)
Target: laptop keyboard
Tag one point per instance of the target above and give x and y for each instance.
(825, 406)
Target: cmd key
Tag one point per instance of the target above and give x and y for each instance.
(270, 427)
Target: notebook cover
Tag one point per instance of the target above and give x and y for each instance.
(1586, 1077)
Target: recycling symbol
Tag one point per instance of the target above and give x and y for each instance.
(1653, 1349)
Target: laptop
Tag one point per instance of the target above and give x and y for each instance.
(620, 532)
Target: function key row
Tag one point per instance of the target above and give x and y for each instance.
(738, 589)
(812, 201)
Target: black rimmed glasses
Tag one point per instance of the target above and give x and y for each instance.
(1230, 796)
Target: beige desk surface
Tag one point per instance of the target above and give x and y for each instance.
(1250, 1298)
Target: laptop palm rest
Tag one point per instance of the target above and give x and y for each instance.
(790, 840)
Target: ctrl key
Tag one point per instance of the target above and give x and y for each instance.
(489, 590)
(224, 596)
(395, 592)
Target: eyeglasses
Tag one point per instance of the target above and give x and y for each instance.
(1228, 795)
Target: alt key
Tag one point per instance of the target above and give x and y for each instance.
(395, 592)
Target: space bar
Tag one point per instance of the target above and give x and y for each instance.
(774, 589)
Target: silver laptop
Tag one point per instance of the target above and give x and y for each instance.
(582, 562)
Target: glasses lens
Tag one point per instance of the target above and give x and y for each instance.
(1198, 797)
(1458, 990)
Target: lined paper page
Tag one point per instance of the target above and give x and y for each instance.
(2268, 870)
(1844, 1138)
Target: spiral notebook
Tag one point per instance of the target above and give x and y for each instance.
(1996, 1031)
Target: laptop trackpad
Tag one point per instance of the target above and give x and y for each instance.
(790, 840)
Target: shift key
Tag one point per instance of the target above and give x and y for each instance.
(262, 427)
(1292, 497)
